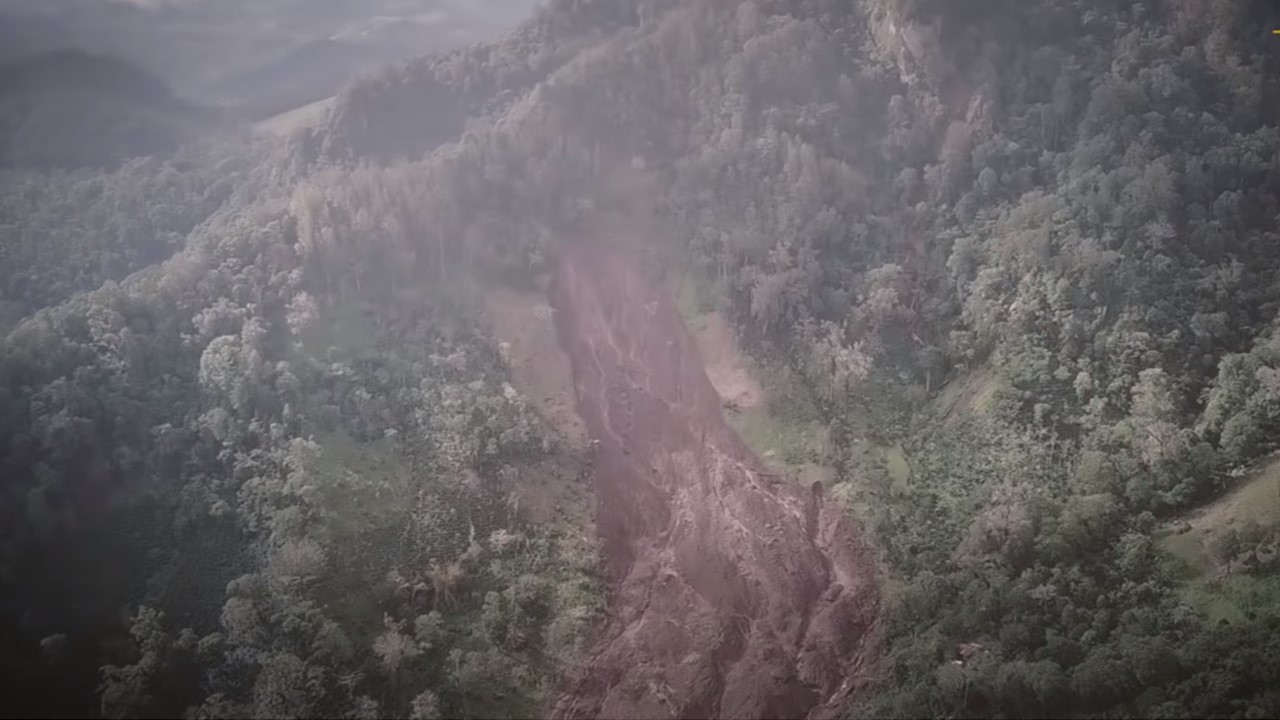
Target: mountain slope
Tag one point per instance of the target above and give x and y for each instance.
(1074, 200)
(69, 109)
(735, 597)
(257, 58)
(1061, 214)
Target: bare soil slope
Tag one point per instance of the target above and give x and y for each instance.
(539, 368)
(726, 367)
(736, 595)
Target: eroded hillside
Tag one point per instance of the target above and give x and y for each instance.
(737, 595)
(1006, 263)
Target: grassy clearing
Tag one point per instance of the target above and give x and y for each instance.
(780, 431)
(784, 444)
(1190, 556)
(360, 488)
(364, 493)
(1257, 498)
(691, 303)
(1235, 598)
(967, 395)
(793, 447)
(310, 115)
(895, 462)
(1207, 586)
(345, 331)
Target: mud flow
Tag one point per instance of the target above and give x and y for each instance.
(737, 594)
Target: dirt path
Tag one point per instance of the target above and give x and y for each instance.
(736, 596)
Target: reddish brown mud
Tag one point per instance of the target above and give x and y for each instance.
(737, 594)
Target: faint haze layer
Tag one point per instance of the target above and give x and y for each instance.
(266, 55)
(658, 358)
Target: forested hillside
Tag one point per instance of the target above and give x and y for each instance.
(263, 454)
(282, 472)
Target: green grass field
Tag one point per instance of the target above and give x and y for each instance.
(1233, 598)
(1207, 586)
(785, 445)
(311, 115)
(1256, 497)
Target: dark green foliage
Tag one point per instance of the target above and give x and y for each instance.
(62, 233)
(1066, 207)
(410, 109)
(1029, 244)
(290, 444)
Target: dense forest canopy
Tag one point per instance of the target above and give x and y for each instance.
(262, 454)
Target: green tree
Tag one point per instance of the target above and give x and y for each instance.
(1226, 547)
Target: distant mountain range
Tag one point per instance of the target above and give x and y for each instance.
(69, 108)
(255, 56)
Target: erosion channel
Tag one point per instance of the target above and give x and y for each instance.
(736, 593)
